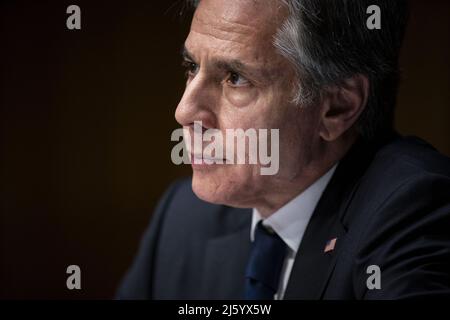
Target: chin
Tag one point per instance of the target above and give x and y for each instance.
(208, 189)
(219, 189)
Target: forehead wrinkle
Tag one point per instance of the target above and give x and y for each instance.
(225, 9)
(245, 42)
(226, 25)
(217, 37)
(259, 21)
(218, 32)
(221, 60)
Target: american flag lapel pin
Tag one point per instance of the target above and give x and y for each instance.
(330, 245)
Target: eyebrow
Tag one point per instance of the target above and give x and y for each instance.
(186, 54)
(234, 65)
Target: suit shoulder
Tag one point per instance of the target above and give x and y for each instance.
(403, 161)
(405, 167)
(400, 217)
(412, 156)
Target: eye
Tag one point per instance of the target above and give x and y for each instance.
(191, 68)
(236, 80)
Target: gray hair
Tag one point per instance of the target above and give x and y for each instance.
(328, 41)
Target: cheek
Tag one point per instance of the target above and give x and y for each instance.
(297, 139)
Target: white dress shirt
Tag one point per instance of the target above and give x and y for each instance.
(290, 222)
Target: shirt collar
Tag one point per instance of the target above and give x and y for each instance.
(290, 221)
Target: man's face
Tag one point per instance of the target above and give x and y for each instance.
(237, 79)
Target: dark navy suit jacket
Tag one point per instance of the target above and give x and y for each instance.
(387, 205)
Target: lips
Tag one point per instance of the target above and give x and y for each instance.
(200, 159)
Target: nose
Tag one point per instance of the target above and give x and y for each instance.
(197, 104)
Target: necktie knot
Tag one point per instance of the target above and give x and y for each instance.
(265, 264)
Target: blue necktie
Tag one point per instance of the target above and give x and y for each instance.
(264, 266)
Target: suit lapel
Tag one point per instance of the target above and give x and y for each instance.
(225, 260)
(313, 266)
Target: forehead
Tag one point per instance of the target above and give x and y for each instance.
(244, 25)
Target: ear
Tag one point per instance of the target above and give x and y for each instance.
(342, 105)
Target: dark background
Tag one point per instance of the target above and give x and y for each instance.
(86, 118)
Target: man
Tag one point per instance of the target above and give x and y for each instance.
(354, 212)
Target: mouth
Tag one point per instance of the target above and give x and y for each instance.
(199, 159)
